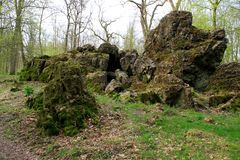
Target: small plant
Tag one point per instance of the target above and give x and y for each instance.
(28, 91)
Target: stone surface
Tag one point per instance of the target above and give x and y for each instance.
(178, 47)
(144, 68)
(226, 78)
(44, 69)
(123, 78)
(165, 88)
(86, 48)
(114, 57)
(114, 87)
(127, 61)
(97, 80)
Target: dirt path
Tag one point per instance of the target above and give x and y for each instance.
(10, 150)
(10, 105)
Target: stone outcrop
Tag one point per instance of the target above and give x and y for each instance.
(179, 67)
(44, 68)
(179, 48)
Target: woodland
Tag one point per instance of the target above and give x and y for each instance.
(161, 80)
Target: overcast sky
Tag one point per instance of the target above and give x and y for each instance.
(112, 9)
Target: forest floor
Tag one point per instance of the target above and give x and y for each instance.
(125, 131)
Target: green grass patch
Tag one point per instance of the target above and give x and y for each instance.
(4, 77)
(179, 133)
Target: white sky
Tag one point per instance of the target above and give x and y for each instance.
(112, 9)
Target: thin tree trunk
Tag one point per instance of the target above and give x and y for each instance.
(214, 18)
(40, 32)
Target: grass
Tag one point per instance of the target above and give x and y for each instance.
(180, 134)
(4, 77)
(159, 132)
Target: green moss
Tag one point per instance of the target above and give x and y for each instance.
(65, 103)
(70, 130)
(35, 102)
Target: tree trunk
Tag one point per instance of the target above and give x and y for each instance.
(214, 18)
(40, 32)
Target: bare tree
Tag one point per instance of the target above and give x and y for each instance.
(146, 14)
(106, 35)
(77, 21)
(214, 5)
(80, 21)
(68, 15)
(43, 6)
(175, 6)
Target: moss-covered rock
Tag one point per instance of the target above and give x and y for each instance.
(44, 68)
(66, 104)
(226, 78)
(33, 69)
(179, 48)
(97, 81)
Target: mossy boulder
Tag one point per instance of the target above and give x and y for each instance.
(66, 104)
(167, 89)
(127, 61)
(179, 48)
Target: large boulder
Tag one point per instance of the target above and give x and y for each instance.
(224, 87)
(66, 104)
(178, 47)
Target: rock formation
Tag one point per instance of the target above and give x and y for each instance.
(181, 49)
(179, 67)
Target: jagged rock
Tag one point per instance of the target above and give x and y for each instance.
(65, 102)
(123, 78)
(86, 48)
(127, 61)
(144, 68)
(178, 47)
(92, 61)
(114, 87)
(226, 78)
(97, 80)
(165, 88)
(114, 57)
